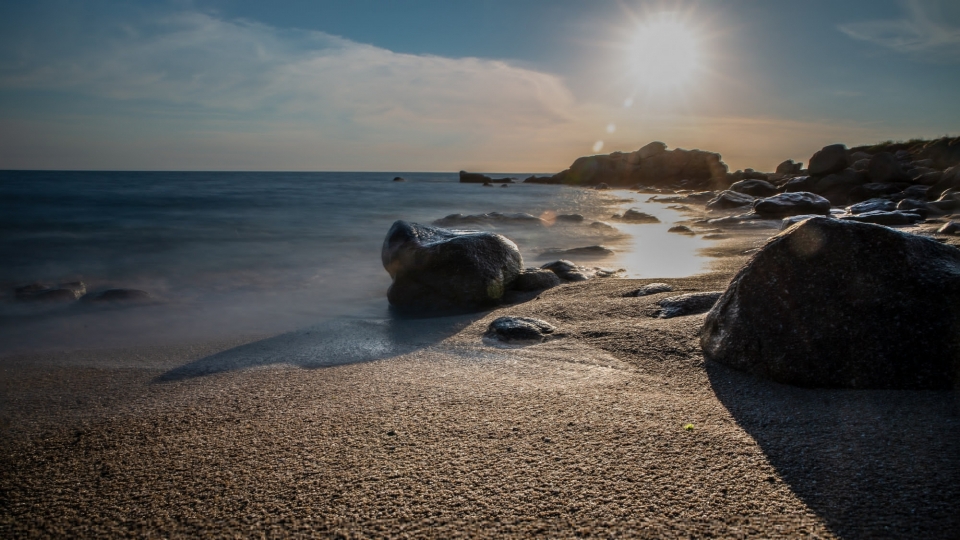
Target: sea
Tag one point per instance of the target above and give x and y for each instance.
(227, 254)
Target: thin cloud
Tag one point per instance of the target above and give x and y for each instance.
(921, 31)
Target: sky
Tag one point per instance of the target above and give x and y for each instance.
(495, 86)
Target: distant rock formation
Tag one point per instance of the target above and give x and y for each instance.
(477, 178)
(652, 165)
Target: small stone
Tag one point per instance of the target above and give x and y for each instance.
(519, 329)
(687, 304)
(650, 288)
(952, 227)
(681, 229)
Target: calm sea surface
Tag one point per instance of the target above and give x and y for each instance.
(228, 254)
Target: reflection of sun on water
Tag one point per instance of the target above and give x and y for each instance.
(664, 53)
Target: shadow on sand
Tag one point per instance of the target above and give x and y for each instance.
(332, 343)
(871, 463)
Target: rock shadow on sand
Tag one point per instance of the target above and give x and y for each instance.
(870, 463)
(332, 343)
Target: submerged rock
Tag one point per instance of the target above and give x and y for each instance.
(399, 179)
(38, 292)
(436, 269)
(636, 216)
(593, 252)
(117, 295)
(832, 303)
(681, 229)
(519, 329)
(490, 218)
(730, 199)
(687, 304)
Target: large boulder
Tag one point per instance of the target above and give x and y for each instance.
(950, 179)
(652, 165)
(792, 204)
(886, 168)
(831, 303)
(829, 159)
(757, 188)
(436, 269)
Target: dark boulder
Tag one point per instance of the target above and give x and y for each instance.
(38, 292)
(569, 218)
(686, 304)
(399, 179)
(681, 229)
(950, 179)
(872, 205)
(541, 180)
(832, 303)
(922, 208)
(756, 188)
(829, 159)
(535, 279)
(652, 165)
(885, 168)
(477, 178)
(874, 191)
(791, 204)
(800, 183)
(437, 269)
(519, 329)
(951, 227)
(789, 167)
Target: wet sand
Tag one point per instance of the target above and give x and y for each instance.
(434, 433)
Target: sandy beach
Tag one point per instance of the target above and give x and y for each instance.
(587, 434)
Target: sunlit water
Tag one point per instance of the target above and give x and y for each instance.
(227, 254)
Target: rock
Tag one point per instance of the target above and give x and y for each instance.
(601, 186)
(635, 216)
(651, 149)
(878, 217)
(832, 303)
(535, 279)
(504, 185)
(572, 218)
(487, 184)
(701, 197)
(756, 188)
(650, 288)
(929, 179)
(650, 166)
(687, 304)
(874, 191)
(681, 229)
(477, 178)
(800, 183)
(604, 227)
(567, 271)
(519, 329)
(949, 180)
(793, 220)
(861, 165)
(117, 295)
(592, 252)
(730, 199)
(919, 207)
(738, 220)
(792, 204)
(836, 187)
(436, 269)
(872, 205)
(789, 167)
(830, 159)
(951, 227)
(859, 156)
(399, 179)
(885, 168)
(913, 192)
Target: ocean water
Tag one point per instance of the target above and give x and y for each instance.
(230, 254)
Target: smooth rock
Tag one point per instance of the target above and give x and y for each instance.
(800, 183)
(832, 303)
(756, 188)
(791, 204)
(952, 227)
(535, 279)
(950, 179)
(793, 220)
(681, 229)
(567, 271)
(519, 329)
(789, 167)
(730, 199)
(872, 205)
(829, 159)
(436, 269)
(687, 304)
(650, 288)
(399, 179)
(878, 217)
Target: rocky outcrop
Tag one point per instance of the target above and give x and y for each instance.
(652, 165)
(436, 269)
(477, 178)
(831, 303)
(829, 159)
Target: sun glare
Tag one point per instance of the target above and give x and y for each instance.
(664, 54)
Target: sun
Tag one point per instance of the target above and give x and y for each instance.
(664, 54)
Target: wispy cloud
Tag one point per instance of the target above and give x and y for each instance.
(920, 31)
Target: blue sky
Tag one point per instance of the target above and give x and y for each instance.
(524, 85)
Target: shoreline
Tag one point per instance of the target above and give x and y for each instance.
(580, 435)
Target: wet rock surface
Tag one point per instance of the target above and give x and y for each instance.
(879, 217)
(436, 269)
(833, 303)
(519, 330)
(687, 304)
(636, 216)
(730, 199)
(792, 204)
